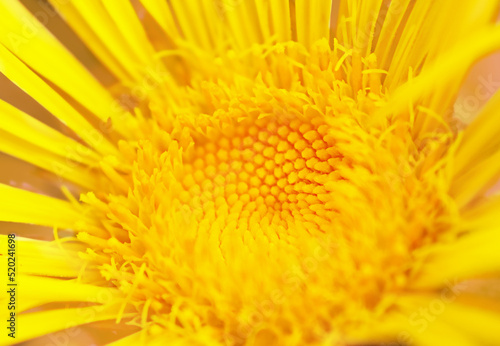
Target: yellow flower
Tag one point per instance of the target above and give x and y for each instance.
(256, 173)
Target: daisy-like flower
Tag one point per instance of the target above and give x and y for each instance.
(253, 172)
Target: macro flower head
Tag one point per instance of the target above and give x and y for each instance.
(252, 172)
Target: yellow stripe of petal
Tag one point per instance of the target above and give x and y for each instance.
(63, 167)
(318, 20)
(478, 322)
(343, 32)
(439, 74)
(212, 17)
(191, 22)
(22, 206)
(472, 14)
(477, 180)
(100, 21)
(387, 37)
(37, 291)
(263, 16)
(472, 255)
(39, 134)
(303, 22)
(44, 258)
(368, 21)
(280, 14)
(160, 11)
(382, 332)
(483, 215)
(239, 28)
(131, 28)
(248, 15)
(416, 48)
(39, 90)
(313, 20)
(480, 138)
(425, 327)
(406, 49)
(92, 40)
(29, 40)
(46, 322)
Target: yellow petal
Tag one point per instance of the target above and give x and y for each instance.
(450, 315)
(472, 255)
(481, 138)
(443, 72)
(191, 22)
(63, 167)
(37, 291)
(46, 322)
(313, 20)
(32, 43)
(44, 258)
(163, 15)
(18, 205)
(479, 178)
(100, 20)
(280, 14)
(93, 40)
(482, 216)
(37, 133)
(129, 27)
(357, 22)
(479, 322)
(44, 94)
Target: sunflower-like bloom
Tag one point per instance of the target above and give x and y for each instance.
(253, 172)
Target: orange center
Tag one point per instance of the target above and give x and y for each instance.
(272, 167)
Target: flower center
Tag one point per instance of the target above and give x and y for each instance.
(262, 197)
(277, 169)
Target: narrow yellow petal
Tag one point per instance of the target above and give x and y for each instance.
(476, 181)
(39, 90)
(427, 326)
(484, 215)
(44, 258)
(192, 23)
(37, 133)
(405, 56)
(46, 322)
(18, 205)
(37, 291)
(29, 40)
(99, 47)
(392, 21)
(417, 46)
(313, 20)
(263, 15)
(443, 72)
(383, 331)
(363, 17)
(479, 322)
(472, 255)
(480, 139)
(280, 18)
(240, 18)
(129, 27)
(63, 167)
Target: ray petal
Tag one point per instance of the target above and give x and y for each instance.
(22, 206)
(32, 43)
